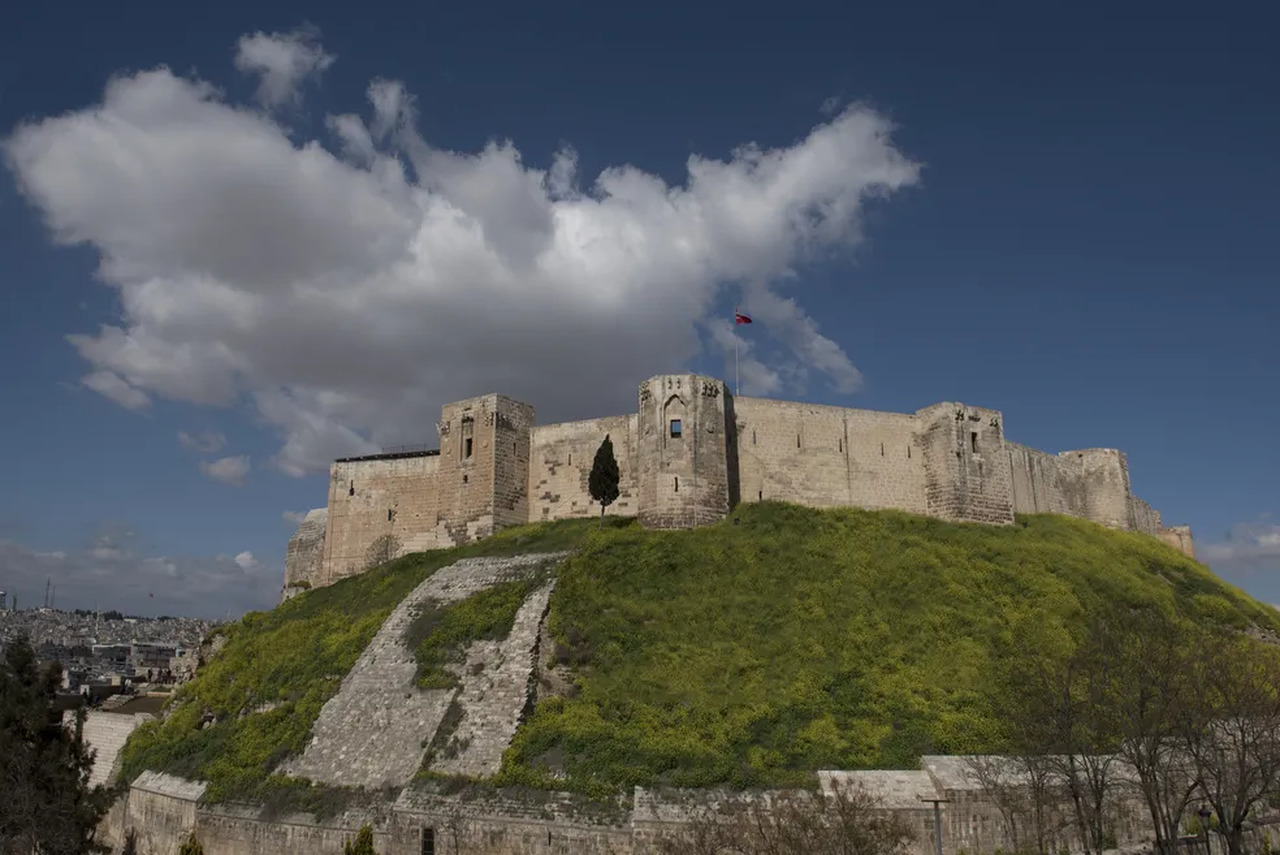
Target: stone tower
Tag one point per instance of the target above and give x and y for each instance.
(685, 444)
(966, 467)
(483, 475)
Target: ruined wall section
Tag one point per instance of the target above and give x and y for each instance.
(1105, 472)
(561, 456)
(1143, 517)
(684, 477)
(967, 475)
(384, 500)
(1044, 483)
(824, 456)
(304, 556)
(1179, 537)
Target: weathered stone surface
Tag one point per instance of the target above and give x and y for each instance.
(523, 822)
(105, 733)
(304, 558)
(495, 468)
(496, 684)
(374, 731)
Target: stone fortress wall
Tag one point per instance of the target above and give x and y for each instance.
(689, 454)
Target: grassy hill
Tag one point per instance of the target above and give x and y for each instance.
(748, 653)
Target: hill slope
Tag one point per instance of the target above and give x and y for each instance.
(749, 653)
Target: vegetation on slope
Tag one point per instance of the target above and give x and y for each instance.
(800, 639)
(749, 653)
(439, 635)
(254, 702)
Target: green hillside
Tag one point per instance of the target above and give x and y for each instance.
(749, 653)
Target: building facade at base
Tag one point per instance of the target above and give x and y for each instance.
(163, 810)
(689, 454)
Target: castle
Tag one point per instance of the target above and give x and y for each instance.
(687, 456)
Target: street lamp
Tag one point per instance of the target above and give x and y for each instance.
(1204, 814)
(937, 819)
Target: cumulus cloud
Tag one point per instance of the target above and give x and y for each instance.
(1248, 548)
(110, 385)
(282, 62)
(112, 571)
(228, 470)
(294, 517)
(206, 443)
(348, 286)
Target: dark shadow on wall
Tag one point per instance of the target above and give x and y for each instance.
(734, 482)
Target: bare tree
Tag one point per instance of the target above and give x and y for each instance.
(1234, 736)
(1154, 702)
(1024, 792)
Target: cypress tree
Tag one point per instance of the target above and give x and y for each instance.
(604, 478)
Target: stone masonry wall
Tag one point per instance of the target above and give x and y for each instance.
(524, 822)
(394, 494)
(483, 477)
(684, 429)
(161, 809)
(1179, 537)
(560, 458)
(828, 456)
(495, 468)
(304, 557)
(967, 474)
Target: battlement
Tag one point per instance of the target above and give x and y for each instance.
(691, 452)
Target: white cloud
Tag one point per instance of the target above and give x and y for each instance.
(206, 443)
(294, 517)
(110, 384)
(1248, 548)
(283, 62)
(349, 295)
(228, 470)
(112, 571)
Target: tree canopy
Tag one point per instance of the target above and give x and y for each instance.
(46, 804)
(605, 477)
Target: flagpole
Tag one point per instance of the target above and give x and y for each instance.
(737, 388)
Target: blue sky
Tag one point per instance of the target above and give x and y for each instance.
(292, 223)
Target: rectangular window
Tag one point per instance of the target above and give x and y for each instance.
(351, 490)
(391, 515)
(428, 841)
(973, 442)
(677, 485)
(677, 429)
(466, 447)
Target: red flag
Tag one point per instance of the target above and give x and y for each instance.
(739, 318)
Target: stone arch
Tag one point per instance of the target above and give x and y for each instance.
(675, 417)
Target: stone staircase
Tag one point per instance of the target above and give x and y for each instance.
(374, 731)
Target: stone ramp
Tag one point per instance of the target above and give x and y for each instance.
(493, 699)
(106, 733)
(374, 731)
